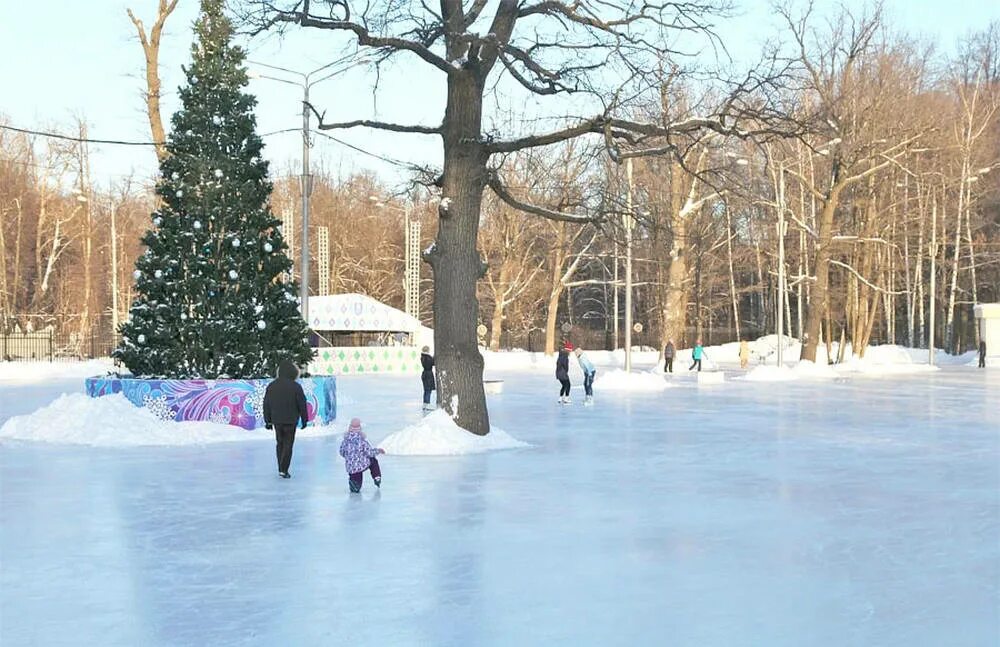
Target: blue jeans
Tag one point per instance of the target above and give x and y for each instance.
(588, 383)
(427, 395)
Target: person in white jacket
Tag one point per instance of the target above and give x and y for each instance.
(588, 376)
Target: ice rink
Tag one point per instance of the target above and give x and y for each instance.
(855, 511)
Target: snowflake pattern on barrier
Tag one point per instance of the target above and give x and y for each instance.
(219, 417)
(255, 400)
(158, 406)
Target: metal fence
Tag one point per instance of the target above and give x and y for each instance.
(52, 346)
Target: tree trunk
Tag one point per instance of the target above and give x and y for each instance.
(732, 276)
(559, 254)
(821, 289)
(949, 334)
(676, 303)
(4, 294)
(151, 51)
(456, 261)
(498, 305)
(88, 234)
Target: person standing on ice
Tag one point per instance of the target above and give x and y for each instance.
(284, 407)
(588, 376)
(744, 353)
(696, 355)
(359, 455)
(668, 357)
(982, 353)
(427, 375)
(562, 372)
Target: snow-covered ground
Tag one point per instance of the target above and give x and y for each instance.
(845, 511)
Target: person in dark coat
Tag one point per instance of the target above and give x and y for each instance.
(427, 375)
(562, 372)
(982, 353)
(668, 357)
(284, 407)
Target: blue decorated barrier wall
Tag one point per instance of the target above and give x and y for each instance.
(232, 402)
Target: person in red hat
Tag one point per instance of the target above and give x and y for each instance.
(562, 372)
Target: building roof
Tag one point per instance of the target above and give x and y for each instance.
(350, 312)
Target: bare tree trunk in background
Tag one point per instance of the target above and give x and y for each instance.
(54, 244)
(559, 253)
(5, 300)
(972, 261)
(151, 50)
(732, 274)
(85, 194)
(918, 270)
(496, 326)
(683, 205)
(949, 329)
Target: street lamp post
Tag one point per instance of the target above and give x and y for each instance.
(781, 263)
(114, 271)
(628, 270)
(933, 254)
(411, 271)
(305, 179)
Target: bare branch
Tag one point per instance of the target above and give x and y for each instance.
(368, 123)
(501, 191)
(364, 37)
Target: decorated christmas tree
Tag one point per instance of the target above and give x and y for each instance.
(214, 300)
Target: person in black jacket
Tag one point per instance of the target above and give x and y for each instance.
(284, 407)
(427, 375)
(562, 372)
(982, 353)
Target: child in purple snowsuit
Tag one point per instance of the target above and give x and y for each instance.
(359, 456)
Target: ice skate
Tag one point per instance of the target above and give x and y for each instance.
(588, 401)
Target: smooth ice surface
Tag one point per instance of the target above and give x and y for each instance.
(854, 511)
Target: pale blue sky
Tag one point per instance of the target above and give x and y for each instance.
(63, 58)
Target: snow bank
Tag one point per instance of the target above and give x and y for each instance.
(437, 435)
(803, 370)
(113, 421)
(522, 360)
(621, 381)
(887, 359)
(890, 359)
(40, 371)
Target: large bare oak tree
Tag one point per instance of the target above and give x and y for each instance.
(605, 51)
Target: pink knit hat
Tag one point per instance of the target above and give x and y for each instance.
(355, 425)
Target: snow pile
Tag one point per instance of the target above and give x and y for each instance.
(885, 360)
(808, 369)
(113, 421)
(39, 371)
(621, 381)
(438, 435)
